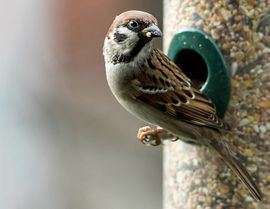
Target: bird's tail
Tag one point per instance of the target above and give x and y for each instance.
(224, 152)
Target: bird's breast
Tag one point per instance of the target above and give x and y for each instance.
(123, 90)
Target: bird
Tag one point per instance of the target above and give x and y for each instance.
(154, 89)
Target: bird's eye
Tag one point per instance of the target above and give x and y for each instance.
(133, 24)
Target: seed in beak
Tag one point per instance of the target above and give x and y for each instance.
(148, 34)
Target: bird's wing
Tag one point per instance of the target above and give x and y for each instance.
(165, 87)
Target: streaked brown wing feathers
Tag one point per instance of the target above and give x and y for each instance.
(165, 87)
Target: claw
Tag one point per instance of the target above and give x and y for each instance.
(149, 136)
(143, 132)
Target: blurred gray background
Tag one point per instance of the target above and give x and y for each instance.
(65, 143)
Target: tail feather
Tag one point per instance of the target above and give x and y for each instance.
(238, 169)
(244, 176)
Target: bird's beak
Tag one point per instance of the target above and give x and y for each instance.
(152, 31)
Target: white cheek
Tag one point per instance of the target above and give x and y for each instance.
(132, 36)
(111, 47)
(128, 44)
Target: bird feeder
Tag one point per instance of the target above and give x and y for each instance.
(224, 47)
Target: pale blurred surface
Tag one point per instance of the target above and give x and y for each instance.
(65, 142)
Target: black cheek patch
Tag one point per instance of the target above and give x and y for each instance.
(118, 37)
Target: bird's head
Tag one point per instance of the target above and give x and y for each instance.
(130, 35)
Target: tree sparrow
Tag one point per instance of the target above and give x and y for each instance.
(151, 87)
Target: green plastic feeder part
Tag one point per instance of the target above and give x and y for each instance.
(199, 57)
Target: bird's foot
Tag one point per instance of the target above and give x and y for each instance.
(154, 136)
(150, 136)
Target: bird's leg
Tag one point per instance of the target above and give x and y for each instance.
(154, 136)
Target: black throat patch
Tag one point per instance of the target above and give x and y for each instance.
(126, 58)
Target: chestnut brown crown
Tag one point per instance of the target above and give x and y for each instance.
(125, 17)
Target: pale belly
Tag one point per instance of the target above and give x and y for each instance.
(155, 117)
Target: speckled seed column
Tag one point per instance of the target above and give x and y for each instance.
(193, 177)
